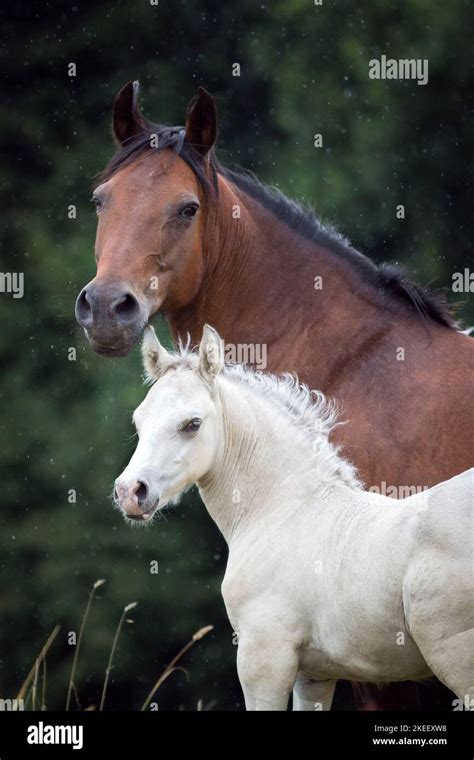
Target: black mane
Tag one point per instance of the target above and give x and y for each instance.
(386, 277)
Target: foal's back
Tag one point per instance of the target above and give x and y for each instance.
(438, 591)
(371, 568)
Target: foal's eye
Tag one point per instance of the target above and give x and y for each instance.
(188, 211)
(192, 426)
(96, 201)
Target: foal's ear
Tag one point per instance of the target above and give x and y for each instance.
(127, 121)
(201, 122)
(211, 353)
(156, 358)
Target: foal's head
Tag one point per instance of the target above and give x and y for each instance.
(177, 426)
(150, 208)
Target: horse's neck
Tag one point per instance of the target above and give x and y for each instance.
(263, 469)
(256, 267)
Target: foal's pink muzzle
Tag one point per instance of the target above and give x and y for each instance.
(133, 498)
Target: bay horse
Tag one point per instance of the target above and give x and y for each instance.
(302, 533)
(181, 235)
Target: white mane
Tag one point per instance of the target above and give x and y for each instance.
(310, 412)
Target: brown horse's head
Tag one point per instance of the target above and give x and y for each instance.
(149, 202)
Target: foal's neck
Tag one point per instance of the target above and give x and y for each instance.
(264, 467)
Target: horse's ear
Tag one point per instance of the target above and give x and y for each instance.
(201, 122)
(211, 353)
(127, 121)
(156, 358)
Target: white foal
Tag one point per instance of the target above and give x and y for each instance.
(324, 580)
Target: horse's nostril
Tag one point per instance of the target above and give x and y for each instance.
(126, 308)
(141, 492)
(83, 309)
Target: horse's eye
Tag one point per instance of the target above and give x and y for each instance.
(187, 212)
(192, 426)
(96, 201)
